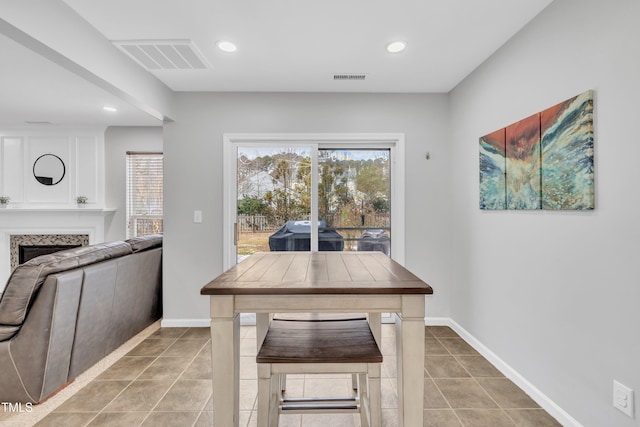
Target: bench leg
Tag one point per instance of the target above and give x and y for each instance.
(264, 394)
(274, 400)
(363, 396)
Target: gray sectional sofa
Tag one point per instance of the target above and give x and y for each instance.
(61, 313)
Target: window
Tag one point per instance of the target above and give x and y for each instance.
(144, 193)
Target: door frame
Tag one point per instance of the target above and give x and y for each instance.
(392, 141)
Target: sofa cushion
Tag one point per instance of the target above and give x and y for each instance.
(27, 278)
(143, 243)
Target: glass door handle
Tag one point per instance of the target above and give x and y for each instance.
(235, 234)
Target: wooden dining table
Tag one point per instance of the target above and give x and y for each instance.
(333, 282)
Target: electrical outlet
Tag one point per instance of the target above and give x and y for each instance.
(623, 398)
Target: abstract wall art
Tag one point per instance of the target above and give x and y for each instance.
(544, 161)
(493, 189)
(523, 163)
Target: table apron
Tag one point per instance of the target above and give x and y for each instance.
(317, 303)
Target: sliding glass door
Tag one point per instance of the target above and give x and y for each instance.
(354, 199)
(273, 193)
(302, 193)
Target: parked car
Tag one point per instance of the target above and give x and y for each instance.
(374, 240)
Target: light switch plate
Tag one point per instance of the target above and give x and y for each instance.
(197, 216)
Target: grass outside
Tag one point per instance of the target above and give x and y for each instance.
(249, 243)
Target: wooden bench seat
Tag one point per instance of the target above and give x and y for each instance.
(319, 317)
(299, 347)
(319, 342)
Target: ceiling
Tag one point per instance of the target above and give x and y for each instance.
(39, 93)
(283, 45)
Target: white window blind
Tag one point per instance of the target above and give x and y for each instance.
(144, 193)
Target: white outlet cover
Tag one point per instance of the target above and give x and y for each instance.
(623, 398)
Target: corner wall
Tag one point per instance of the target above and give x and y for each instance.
(555, 294)
(194, 172)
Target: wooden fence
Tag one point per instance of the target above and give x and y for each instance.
(142, 225)
(262, 223)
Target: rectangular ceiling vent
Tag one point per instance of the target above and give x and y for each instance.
(38, 122)
(349, 76)
(157, 55)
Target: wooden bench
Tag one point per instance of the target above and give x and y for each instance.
(306, 347)
(319, 317)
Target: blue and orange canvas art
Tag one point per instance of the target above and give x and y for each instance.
(523, 163)
(544, 161)
(567, 154)
(492, 171)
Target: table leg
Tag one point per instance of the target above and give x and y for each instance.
(225, 359)
(262, 325)
(375, 323)
(410, 356)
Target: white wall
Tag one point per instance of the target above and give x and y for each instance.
(119, 140)
(556, 294)
(193, 178)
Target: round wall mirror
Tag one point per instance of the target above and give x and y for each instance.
(48, 169)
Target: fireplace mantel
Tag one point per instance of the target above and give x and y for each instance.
(90, 211)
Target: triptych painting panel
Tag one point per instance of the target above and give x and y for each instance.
(542, 162)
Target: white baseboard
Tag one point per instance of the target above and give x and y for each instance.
(437, 321)
(185, 323)
(540, 398)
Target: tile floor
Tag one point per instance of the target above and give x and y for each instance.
(165, 381)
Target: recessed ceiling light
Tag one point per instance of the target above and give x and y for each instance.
(109, 108)
(226, 46)
(395, 47)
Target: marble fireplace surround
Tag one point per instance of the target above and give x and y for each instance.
(17, 240)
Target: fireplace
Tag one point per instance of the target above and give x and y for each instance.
(23, 247)
(27, 252)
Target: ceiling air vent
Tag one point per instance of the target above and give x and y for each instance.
(157, 55)
(37, 122)
(349, 76)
